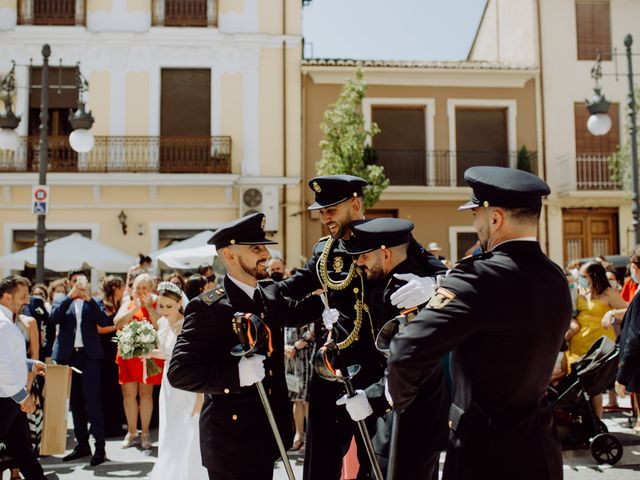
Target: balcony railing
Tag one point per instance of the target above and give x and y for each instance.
(51, 12)
(125, 154)
(185, 13)
(441, 168)
(585, 172)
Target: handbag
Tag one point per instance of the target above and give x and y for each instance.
(294, 382)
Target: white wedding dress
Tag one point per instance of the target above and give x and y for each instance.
(179, 436)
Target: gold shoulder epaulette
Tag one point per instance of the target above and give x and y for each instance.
(211, 296)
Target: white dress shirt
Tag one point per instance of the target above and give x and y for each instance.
(78, 304)
(248, 289)
(13, 358)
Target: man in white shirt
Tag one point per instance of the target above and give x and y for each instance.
(14, 367)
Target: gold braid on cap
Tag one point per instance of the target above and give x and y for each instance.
(321, 269)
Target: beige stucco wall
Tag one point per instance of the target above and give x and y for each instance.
(232, 123)
(99, 101)
(137, 103)
(432, 217)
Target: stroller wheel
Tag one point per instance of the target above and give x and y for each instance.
(602, 427)
(605, 448)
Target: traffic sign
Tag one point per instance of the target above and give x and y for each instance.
(40, 199)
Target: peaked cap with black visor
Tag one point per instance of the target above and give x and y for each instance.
(331, 190)
(248, 230)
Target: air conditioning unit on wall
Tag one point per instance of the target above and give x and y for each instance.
(261, 199)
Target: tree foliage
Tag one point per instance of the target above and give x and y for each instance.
(344, 144)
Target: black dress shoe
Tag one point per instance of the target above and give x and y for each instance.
(77, 452)
(99, 457)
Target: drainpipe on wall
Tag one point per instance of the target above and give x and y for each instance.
(284, 129)
(543, 138)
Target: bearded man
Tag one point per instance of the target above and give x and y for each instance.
(236, 440)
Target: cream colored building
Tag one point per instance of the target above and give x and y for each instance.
(437, 119)
(588, 213)
(197, 112)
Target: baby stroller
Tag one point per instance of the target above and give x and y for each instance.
(576, 422)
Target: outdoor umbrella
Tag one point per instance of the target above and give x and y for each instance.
(71, 252)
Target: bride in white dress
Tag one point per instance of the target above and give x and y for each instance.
(179, 436)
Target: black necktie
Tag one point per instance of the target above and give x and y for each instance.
(257, 299)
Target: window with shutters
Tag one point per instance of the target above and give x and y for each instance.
(401, 145)
(593, 152)
(593, 27)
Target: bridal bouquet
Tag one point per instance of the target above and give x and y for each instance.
(137, 340)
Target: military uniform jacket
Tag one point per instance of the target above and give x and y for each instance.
(235, 436)
(504, 314)
(629, 370)
(362, 351)
(426, 418)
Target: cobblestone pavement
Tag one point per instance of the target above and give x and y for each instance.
(137, 463)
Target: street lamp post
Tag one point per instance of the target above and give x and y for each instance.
(41, 230)
(81, 121)
(599, 123)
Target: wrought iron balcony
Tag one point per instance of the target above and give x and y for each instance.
(441, 168)
(125, 154)
(51, 12)
(585, 172)
(185, 13)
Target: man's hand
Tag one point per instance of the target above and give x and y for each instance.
(251, 370)
(28, 406)
(417, 291)
(358, 406)
(621, 390)
(39, 368)
(329, 317)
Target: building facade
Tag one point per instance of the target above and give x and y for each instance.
(589, 211)
(197, 118)
(437, 119)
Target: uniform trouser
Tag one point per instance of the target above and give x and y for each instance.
(257, 475)
(14, 433)
(329, 433)
(86, 400)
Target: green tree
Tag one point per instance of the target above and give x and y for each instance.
(344, 144)
(524, 160)
(620, 161)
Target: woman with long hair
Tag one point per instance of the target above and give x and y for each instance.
(596, 302)
(112, 291)
(141, 306)
(178, 436)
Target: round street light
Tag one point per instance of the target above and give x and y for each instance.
(599, 124)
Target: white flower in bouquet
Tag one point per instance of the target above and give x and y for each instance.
(136, 340)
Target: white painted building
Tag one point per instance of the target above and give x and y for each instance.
(588, 212)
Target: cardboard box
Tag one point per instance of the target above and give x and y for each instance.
(56, 395)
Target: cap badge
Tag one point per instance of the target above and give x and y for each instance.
(264, 223)
(338, 264)
(316, 187)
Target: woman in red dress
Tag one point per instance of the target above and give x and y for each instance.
(141, 307)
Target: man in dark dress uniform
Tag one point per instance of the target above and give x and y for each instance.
(380, 246)
(504, 344)
(330, 429)
(236, 440)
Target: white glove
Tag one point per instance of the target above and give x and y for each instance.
(417, 291)
(387, 393)
(329, 317)
(358, 406)
(251, 370)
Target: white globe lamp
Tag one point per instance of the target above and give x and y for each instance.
(9, 139)
(599, 124)
(81, 140)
